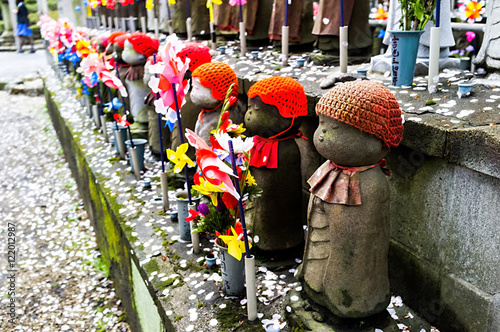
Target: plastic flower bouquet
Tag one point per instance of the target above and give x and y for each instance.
(214, 180)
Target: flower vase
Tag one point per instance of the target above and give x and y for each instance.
(182, 209)
(233, 272)
(404, 56)
(139, 144)
(122, 131)
(464, 63)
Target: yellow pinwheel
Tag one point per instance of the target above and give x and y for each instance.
(206, 188)
(211, 7)
(235, 244)
(149, 4)
(179, 157)
(171, 2)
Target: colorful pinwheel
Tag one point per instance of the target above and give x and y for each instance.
(179, 157)
(122, 121)
(113, 104)
(235, 245)
(210, 7)
(237, 2)
(215, 170)
(113, 82)
(169, 72)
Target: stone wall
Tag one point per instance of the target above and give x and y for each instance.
(445, 241)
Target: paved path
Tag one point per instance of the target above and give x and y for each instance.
(17, 65)
(58, 277)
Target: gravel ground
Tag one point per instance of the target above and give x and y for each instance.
(56, 280)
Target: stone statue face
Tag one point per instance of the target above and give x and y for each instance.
(132, 57)
(202, 96)
(265, 120)
(346, 145)
(117, 55)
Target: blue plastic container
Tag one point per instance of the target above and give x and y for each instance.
(404, 45)
(123, 134)
(139, 144)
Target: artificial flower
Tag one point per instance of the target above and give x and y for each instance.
(122, 120)
(179, 157)
(240, 145)
(203, 209)
(250, 180)
(381, 13)
(470, 35)
(193, 215)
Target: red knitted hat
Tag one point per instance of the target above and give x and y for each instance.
(144, 44)
(120, 40)
(217, 76)
(283, 92)
(197, 53)
(366, 105)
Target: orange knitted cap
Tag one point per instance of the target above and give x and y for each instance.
(217, 76)
(197, 53)
(144, 44)
(366, 105)
(283, 92)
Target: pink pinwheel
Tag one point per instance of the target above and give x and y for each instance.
(113, 82)
(215, 170)
(237, 2)
(173, 73)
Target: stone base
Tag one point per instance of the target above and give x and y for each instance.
(307, 316)
(382, 64)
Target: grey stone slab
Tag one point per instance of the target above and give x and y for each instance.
(476, 148)
(464, 307)
(416, 280)
(418, 202)
(471, 228)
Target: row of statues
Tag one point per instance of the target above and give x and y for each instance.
(345, 259)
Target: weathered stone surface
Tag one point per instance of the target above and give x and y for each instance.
(304, 315)
(462, 148)
(489, 52)
(345, 260)
(415, 279)
(464, 307)
(276, 219)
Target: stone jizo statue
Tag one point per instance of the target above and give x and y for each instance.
(137, 49)
(276, 106)
(345, 260)
(211, 81)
